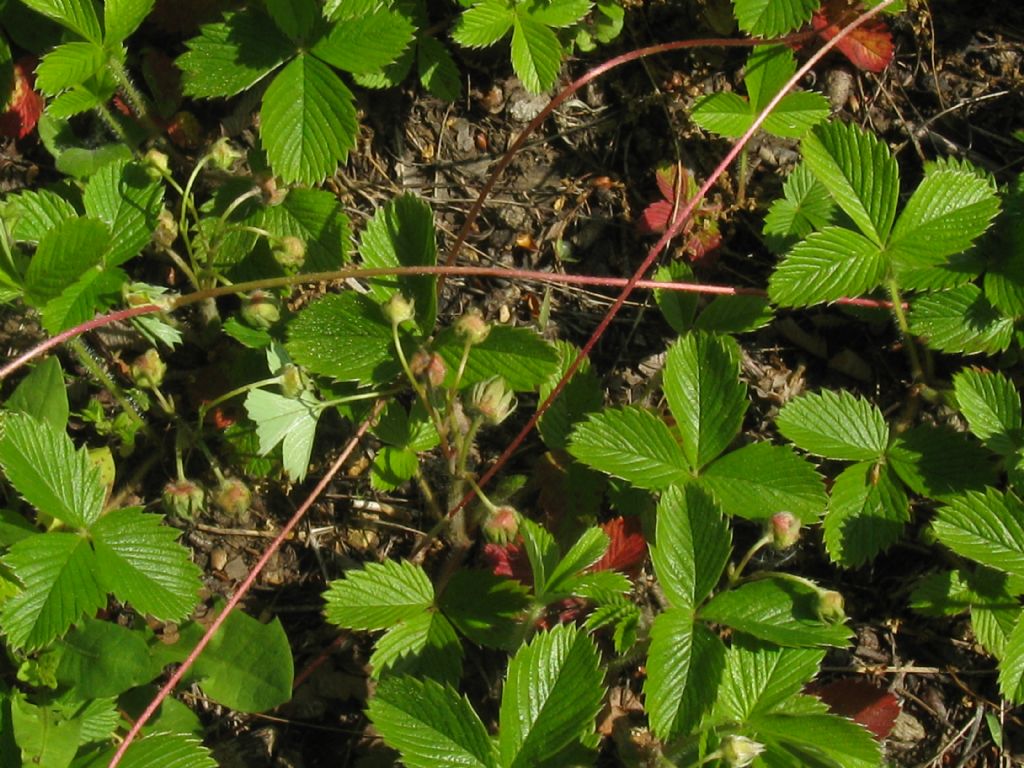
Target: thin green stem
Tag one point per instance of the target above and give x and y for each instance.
(111, 122)
(735, 574)
(205, 408)
(421, 393)
(917, 371)
(188, 205)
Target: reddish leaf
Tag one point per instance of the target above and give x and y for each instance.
(21, 113)
(869, 47)
(654, 219)
(508, 560)
(858, 699)
(627, 549)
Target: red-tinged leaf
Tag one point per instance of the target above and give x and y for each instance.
(654, 219)
(861, 701)
(21, 113)
(508, 560)
(705, 240)
(869, 47)
(627, 547)
(665, 177)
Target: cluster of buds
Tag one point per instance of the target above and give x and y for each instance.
(491, 400)
(148, 370)
(260, 309)
(183, 499)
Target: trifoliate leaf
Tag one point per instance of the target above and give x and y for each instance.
(128, 201)
(684, 669)
(233, 55)
(141, 562)
(724, 113)
(776, 609)
(630, 443)
(79, 16)
(423, 646)
(430, 725)
(401, 234)
(43, 466)
(536, 53)
(859, 171)
(691, 546)
(122, 17)
(866, 513)
(796, 114)
(991, 405)
(826, 266)
(735, 314)
(939, 461)
(59, 576)
(437, 70)
(987, 527)
(771, 18)
(805, 207)
(248, 665)
(287, 420)
(705, 394)
(558, 13)
(484, 24)
(587, 550)
(960, 320)
(761, 479)
(518, 355)
(835, 425)
(344, 336)
(307, 122)
(551, 696)
(42, 395)
(64, 254)
(379, 596)
(367, 43)
(296, 18)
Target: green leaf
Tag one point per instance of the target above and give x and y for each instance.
(401, 234)
(1011, 667)
(826, 266)
(691, 546)
(165, 750)
(248, 665)
(759, 677)
(438, 71)
(81, 300)
(141, 562)
(724, 113)
(541, 551)
(761, 479)
(67, 65)
(392, 466)
(942, 593)
(630, 443)
(552, 694)
(43, 396)
(233, 55)
(296, 18)
(939, 461)
(991, 405)
(288, 420)
(678, 307)
(128, 201)
(484, 24)
(122, 17)
(581, 395)
(307, 122)
(587, 550)
(104, 659)
(33, 213)
(948, 211)
(344, 336)
(735, 314)
(558, 13)
(59, 577)
(960, 320)
(315, 216)
(46, 736)
(423, 646)
(859, 171)
(796, 114)
(379, 596)
(430, 725)
(43, 466)
(771, 18)
(835, 425)
(64, 254)
(819, 739)
(780, 610)
(987, 527)
(77, 15)
(367, 43)
(705, 394)
(866, 513)
(536, 53)
(685, 663)
(487, 609)
(518, 355)
(767, 70)
(1004, 249)
(805, 207)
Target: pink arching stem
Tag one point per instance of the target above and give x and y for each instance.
(663, 241)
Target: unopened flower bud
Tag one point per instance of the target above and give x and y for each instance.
(785, 529)
(501, 525)
(166, 231)
(830, 606)
(290, 252)
(472, 327)
(398, 309)
(157, 164)
(293, 383)
(429, 366)
(739, 751)
(223, 155)
(492, 400)
(260, 309)
(183, 498)
(233, 497)
(148, 370)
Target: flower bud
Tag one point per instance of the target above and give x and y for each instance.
(183, 498)
(157, 164)
(290, 252)
(293, 383)
(166, 231)
(492, 400)
(739, 751)
(429, 366)
(232, 498)
(260, 309)
(148, 370)
(830, 606)
(472, 328)
(785, 529)
(398, 309)
(223, 155)
(502, 525)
